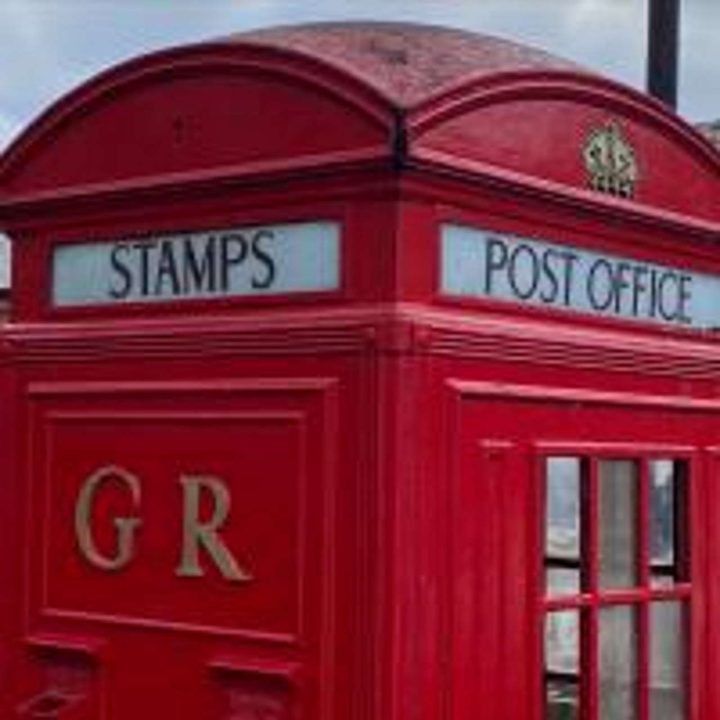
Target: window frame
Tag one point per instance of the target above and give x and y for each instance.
(591, 598)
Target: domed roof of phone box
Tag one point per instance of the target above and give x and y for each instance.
(335, 95)
(407, 63)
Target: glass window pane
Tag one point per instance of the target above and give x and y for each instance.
(562, 517)
(562, 581)
(562, 642)
(562, 700)
(617, 697)
(667, 661)
(618, 521)
(662, 512)
(667, 508)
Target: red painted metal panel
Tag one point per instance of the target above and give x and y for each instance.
(232, 644)
(203, 113)
(494, 419)
(551, 122)
(328, 506)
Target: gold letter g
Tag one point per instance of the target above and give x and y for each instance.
(126, 526)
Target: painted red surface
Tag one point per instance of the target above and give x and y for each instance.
(379, 442)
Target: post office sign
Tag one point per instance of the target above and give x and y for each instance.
(252, 261)
(481, 263)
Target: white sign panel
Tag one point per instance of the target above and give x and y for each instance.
(480, 263)
(255, 261)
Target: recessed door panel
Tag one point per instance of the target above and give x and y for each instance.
(175, 546)
(580, 553)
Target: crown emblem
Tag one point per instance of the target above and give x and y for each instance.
(610, 161)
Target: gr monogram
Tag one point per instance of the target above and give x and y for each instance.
(197, 535)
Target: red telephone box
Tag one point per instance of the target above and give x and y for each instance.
(360, 372)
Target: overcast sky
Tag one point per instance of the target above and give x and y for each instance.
(49, 46)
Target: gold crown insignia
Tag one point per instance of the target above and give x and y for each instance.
(610, 161)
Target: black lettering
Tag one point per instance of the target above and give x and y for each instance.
(262, 256)
(493, 260)
(144, 247)
(570, 259)
(549, 295)
(662, 306)
(533, 268)
(199, 272)
(592, 283)
(639, 287)
(685, 295)
(621, 284)
(653, 293)
(123, 290)
(228, 258)
(167, 269)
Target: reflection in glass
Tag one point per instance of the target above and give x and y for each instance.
(562, 642)
(562, 698)
(562, 534)
(667, 493)
(618, 513)
(617, 664)
(662, 512)
(667, 661)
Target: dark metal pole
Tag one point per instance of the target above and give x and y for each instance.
(663, 50)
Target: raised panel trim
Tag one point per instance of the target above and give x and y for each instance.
(291, 638)
(55, 643)
(150, 387)
(444, 330)
(549, 394)
(323, 387)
